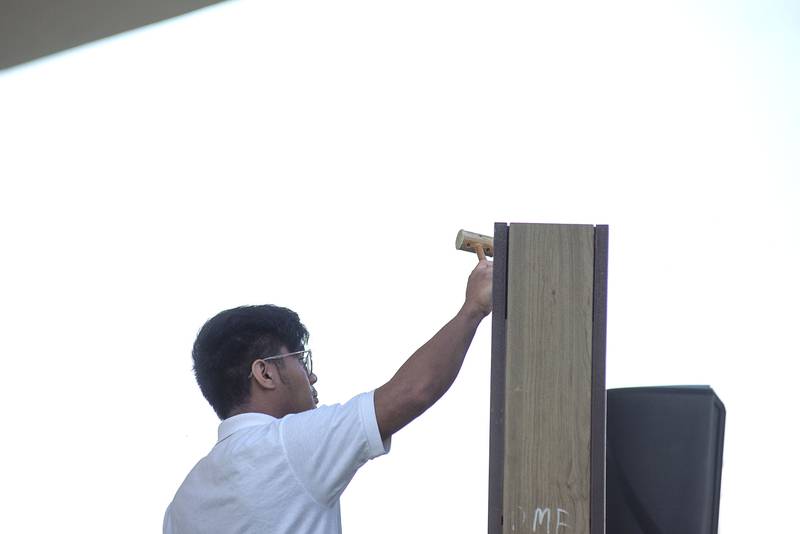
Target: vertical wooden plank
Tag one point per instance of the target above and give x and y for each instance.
(498, 380)
(546, 485)
(598, 439)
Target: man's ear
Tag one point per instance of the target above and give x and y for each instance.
(264, 374)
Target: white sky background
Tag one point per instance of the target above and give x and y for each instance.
(322, 156)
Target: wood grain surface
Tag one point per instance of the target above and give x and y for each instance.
(548, 379)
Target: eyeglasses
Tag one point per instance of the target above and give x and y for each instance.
(303, 355)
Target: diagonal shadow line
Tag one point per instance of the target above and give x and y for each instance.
(644, 520)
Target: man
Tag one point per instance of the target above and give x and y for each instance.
(280, 466)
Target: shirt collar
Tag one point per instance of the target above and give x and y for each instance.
(243, 420)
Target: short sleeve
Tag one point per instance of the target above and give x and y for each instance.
(166, 526)
(327, 445)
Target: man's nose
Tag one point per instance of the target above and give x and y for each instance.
(312, 379)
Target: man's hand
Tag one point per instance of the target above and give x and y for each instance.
(479, 289)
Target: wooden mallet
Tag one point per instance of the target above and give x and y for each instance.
(482, 245)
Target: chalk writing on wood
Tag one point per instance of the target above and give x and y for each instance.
(545, 520)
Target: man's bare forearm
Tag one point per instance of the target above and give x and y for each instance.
(439, 360)
(432, 369)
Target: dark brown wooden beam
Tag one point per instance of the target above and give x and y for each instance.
(597, 511)
(497, 402)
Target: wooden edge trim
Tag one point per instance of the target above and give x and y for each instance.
(597, 504)
(497, 398)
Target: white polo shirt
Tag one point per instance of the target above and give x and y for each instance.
(278, 476)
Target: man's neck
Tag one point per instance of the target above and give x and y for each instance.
(256, 408)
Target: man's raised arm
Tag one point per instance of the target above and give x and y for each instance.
(431, 370)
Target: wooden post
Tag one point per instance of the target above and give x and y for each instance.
(547, 447)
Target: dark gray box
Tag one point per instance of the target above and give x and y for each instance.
(664, 460)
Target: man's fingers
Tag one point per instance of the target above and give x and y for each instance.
(479, 250)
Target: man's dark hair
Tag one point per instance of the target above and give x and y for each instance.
(230, 341)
